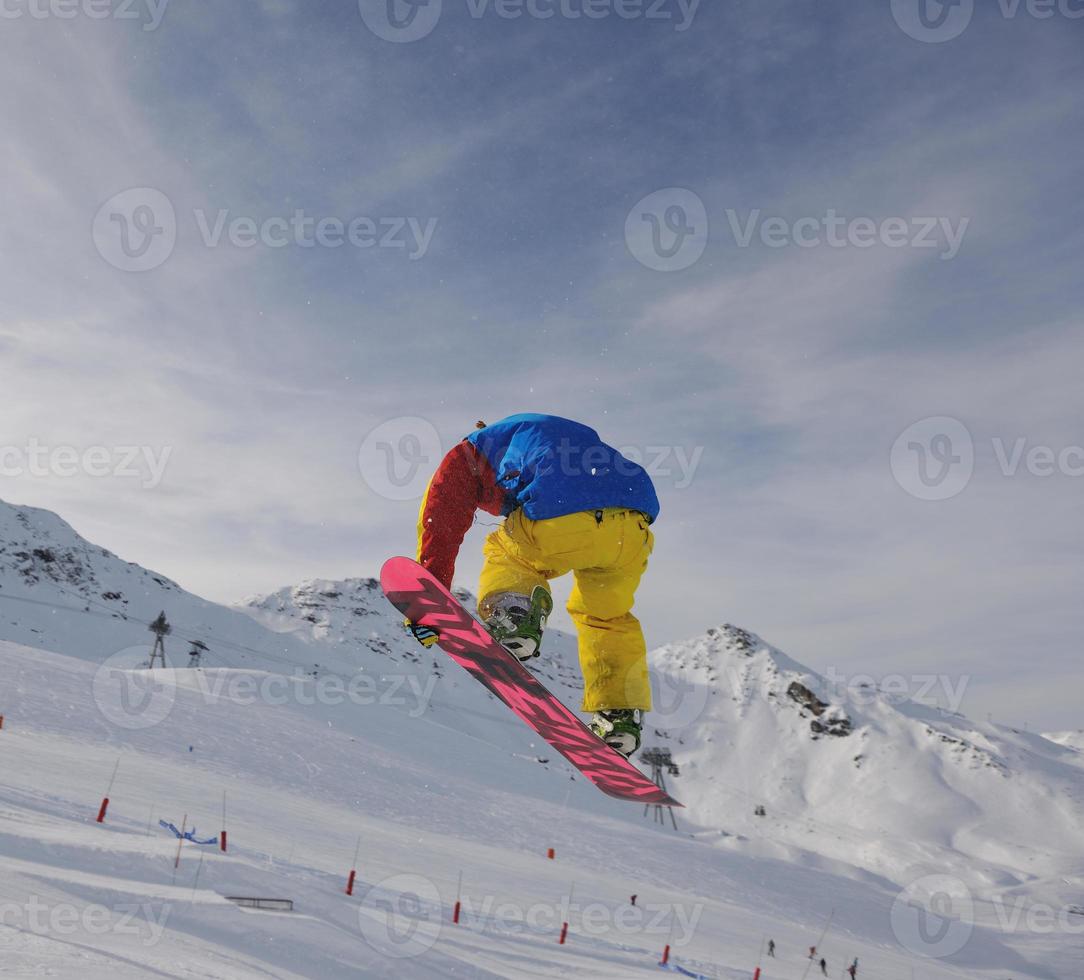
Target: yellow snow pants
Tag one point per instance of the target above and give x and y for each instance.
(607, 552)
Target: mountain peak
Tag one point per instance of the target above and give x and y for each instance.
(735, 638)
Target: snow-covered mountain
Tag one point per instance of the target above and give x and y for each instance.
(837, 771)
(748, 726)
(352, 615)
(779, 769)
(877, 782)
(1072, 740)
(61, 593)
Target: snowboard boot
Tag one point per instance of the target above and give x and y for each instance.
(516, 621)
(619, 728)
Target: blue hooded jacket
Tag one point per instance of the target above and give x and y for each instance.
(552, 466)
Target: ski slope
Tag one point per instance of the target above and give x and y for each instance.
(324, 725)
(303, 782)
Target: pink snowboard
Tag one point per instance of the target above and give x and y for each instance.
(422, 599)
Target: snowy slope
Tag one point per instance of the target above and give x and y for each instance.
(61, 593)
(1072, 740)
(837, 785)
(323, 721)
(865, 778)
(305, 781)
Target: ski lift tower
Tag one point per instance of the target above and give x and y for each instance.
(662, 764)
(195, 655)
(160, 628)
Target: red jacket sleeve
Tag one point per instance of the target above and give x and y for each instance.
(463, 483)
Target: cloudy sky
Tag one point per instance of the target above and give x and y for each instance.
(760, 244)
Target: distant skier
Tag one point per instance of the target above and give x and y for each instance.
(771, 948)
(571, 503)
(853, 969)
(812, 952)
(824, 966)
(632, 900)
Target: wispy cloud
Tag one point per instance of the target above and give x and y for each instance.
(792, 369)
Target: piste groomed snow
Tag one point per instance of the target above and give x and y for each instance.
(323, 740)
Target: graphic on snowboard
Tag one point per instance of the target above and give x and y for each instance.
(423, 600)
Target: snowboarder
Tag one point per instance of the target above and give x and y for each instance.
(824, 966)
(771, 948)
(571, 503)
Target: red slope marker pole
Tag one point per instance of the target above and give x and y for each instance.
(458, 894)
(669, 935)
(105, 799)
(222, 836)
(760, 959)
(353, 870)
(564, 925)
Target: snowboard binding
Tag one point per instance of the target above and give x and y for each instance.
(517, 621)
(619, 728)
